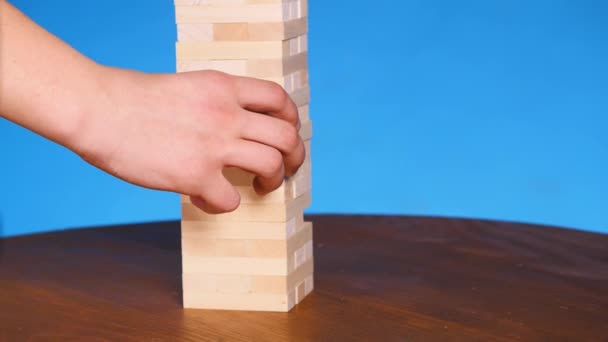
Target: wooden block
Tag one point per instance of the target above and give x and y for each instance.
(309, 284)
(304, 113)
(282, 284)
(279, 212)
(278, 31)
(306, 130)
(195, 32)
(231, 31)
(301, 97)
(261, 68)
(238, 283)
(243, 248)
(242, 180)
(300, 293)
(265, 12)
(241, 49)
(208, 2)
(303, 8)
(226, 2)
(236, 265)
(231, 50)
(241, 230)
(223, 301)
(235, 67)
(292, 82)
(243, 31)
(218, 283)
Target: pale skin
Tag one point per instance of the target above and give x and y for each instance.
(172, 132)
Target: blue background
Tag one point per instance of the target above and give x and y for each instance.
(491, 109)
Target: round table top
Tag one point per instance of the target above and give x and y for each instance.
(377, 278)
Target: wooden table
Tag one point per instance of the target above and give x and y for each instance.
(378, 278)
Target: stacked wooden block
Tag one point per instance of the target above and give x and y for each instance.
(258, 257)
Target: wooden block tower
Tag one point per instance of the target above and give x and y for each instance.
(258, 257)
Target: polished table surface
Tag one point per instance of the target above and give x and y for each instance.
(378, 278)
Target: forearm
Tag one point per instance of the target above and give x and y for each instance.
(45, 85)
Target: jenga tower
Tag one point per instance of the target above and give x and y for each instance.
(258, 257)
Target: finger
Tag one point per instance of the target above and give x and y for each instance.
(266, 97)
(264, 161)
(217, 196)
(278, 134)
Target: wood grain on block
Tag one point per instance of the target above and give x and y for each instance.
(264, 31)
(301, 97)
(278, 31)
(277, 67)
(231, 31)
(282, 284)
(241, 230)
(280, 212)
(300, 239)
(306, 130)
(232, 50)
(224, 301)
(244, 248)
(234, 67)
(211, 2)
(236, 265)
(300, 292)
(251, 284)
(303, 8)
(237, 176)
(265, 12)
(218, 283)
(304, 114)
(195, 32)
(292, 81)
(226, 2)
(289, 190)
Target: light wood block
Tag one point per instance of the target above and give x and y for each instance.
(250, 13)
(253, 284)
(224, 50)
(258, 68)
(277, 67)
(235, 67)
(249, 248)
(231, 50)
(245, 302)
(301, 97)
(304, 113)
(242, 31)
(251, 212)
(292, 188)
(196, 258)
(241, 230)
(210, 2)
(281, 284)
(239, 177)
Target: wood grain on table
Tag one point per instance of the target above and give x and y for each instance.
(378, 278)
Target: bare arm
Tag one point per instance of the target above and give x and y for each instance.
(173, 132)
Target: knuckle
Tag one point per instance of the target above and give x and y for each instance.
(278, 94)
(274, 164)
(231, 203)
(290, 137)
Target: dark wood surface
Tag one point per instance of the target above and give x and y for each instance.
(378, 278)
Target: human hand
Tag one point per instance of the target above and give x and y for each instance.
(177, 132)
